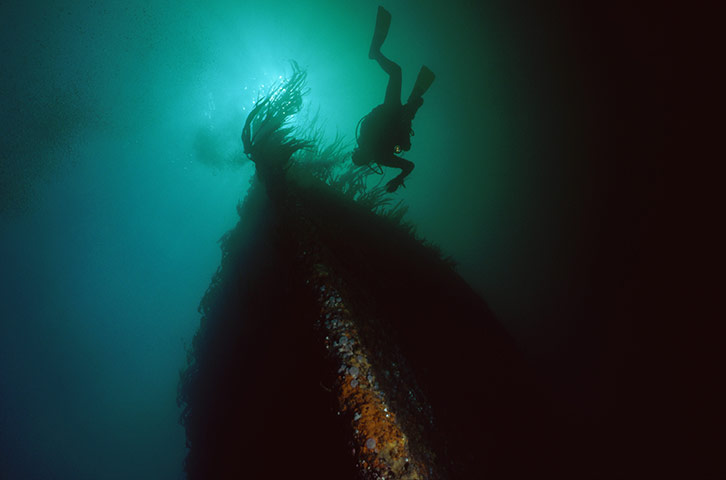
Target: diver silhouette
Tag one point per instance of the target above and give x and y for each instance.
(386, 130)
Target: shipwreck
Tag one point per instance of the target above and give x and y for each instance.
(335, 343)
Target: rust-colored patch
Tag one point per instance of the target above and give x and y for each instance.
(381, 446)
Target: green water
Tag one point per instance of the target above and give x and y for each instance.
(122, 167)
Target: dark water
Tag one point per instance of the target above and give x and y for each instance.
(537, 169)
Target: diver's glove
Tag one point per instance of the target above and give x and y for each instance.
(393, 185)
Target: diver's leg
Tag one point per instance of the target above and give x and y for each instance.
(406, 167)
(423, 81)
(393, 90)
(411, 107)
(383, 23)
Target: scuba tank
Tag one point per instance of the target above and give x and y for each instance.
(385, 129)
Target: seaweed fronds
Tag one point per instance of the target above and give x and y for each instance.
(273, 145)
(267, 137)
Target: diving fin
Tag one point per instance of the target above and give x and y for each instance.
(383, 23)
(424, 80)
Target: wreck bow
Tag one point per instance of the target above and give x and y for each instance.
(335, 343)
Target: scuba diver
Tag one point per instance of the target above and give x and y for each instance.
(386, 130)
